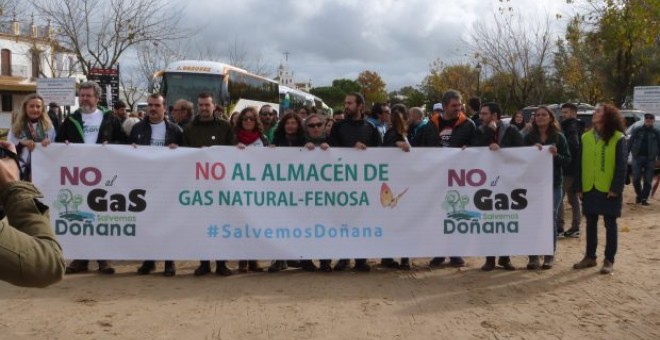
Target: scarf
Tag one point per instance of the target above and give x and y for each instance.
(247, 137)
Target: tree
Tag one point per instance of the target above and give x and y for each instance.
(372, 86)
(625, 40)
(576, 70)
(408, 96)
(511, 45)
(441, 77)
(334, 95)
(239, 56)
(100, 31)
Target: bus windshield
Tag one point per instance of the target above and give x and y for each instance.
(188, 86)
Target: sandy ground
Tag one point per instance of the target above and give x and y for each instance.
(448, 303)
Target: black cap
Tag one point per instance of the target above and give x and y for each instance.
(53, 104)
(649, 115)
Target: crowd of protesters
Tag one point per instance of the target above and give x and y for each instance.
(587, 166)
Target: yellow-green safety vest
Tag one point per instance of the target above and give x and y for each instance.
(598, 161)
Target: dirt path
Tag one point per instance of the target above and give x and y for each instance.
(421, 304)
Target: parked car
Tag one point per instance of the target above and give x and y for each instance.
(585, 111)
(632, 116)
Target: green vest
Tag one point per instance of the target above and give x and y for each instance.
(598, 161)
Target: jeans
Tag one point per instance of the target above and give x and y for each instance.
(574, 201)
(611, 236)
(557, 196)
(642, 166)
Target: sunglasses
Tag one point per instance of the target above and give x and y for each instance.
(315, 125)
(266, 114)
(253, 119)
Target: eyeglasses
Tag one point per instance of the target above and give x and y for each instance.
(250, 118)
(266, 114)
(315, 125)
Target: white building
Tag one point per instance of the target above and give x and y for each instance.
(285, 77)
(28, 52)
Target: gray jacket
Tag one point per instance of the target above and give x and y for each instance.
(653, 139)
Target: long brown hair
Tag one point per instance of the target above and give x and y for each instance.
(553, 126)
(239, 121)
(398, 118)
(20, 123)
(612, 121)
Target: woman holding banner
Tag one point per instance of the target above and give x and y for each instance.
(249, 132)
(31, 127)
(600, 182)
(396, 136)
(545, 131)
(289, 132)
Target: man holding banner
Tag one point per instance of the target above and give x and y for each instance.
(156, 131)
(354, 131)
(208, 130)
(91, 124)
(454, 130)
(495, 134)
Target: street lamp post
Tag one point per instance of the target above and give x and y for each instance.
(478, 68)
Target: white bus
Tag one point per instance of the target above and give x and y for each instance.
(231, 87)
(293, 99)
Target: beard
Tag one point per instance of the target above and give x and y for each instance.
(87, 108)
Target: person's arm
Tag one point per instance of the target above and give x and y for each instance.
(621, 161)
(563, 156)
(29, 253)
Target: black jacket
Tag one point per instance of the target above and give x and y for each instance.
(110, 130)
(563, 155)
(208, 133)
(422, 135)
(348, 132)
(507, 136)
(141, 133)
(462, 131)
(391, 137)
(572, 129)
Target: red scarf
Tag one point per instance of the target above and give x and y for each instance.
(248, 137)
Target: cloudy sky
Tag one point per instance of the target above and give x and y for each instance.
(331, 39)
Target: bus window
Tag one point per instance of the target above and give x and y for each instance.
(189, 85)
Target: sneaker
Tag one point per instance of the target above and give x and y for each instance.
(170, 269)
(203, 269)
(572, 233)
(608, 267)
(389, 263)
(548, 262)
(222, 269)
(146, 268)
(363, 267)
(645, 203)
(341, 265)
(308, 266)
(243, 266)
(436, 262)
(76, 267)
(560, 234)
(638, 200)
(105, 268)
(405, 264)
(505, 262)
(586, 262)
(534, 262)
(489, 265)
(277, 266)
(253, 266)
(325, 267)
(456, 262)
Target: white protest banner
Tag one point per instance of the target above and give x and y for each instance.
(119, 202)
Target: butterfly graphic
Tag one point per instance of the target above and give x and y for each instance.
(389, 199)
